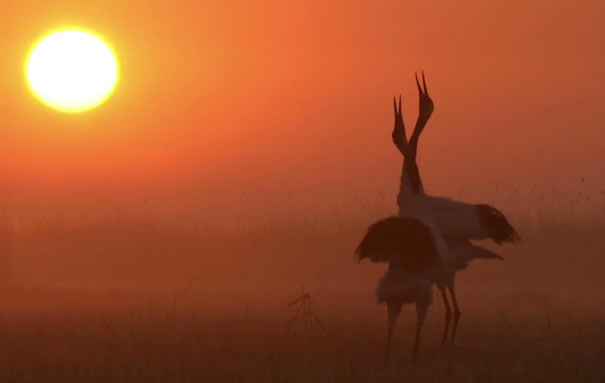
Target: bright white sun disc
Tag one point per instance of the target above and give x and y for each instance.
(72, 71)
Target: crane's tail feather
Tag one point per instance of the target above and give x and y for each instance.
(496, 224)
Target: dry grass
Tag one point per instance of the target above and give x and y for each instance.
(536, 345)
(124, 300)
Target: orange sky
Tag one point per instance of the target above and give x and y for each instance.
(223, 99)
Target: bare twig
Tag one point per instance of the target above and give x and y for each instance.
(180, 297)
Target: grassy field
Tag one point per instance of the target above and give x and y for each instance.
(519, 341)
(134, 300)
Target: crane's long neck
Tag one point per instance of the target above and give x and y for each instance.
(410, 185)
(411, 189)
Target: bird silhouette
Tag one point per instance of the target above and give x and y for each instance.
(408, 245)
(411, 244)
(458, 222)
(429, 240)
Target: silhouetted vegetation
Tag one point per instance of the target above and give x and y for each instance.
(137, 299)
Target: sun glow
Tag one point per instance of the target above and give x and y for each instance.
(72, 71)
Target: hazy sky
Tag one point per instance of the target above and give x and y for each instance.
(293, 98)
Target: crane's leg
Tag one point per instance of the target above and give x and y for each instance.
(421, 310)
(456, 311)
(393, 310)
(448, 314)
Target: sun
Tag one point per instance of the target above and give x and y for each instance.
(72, 70)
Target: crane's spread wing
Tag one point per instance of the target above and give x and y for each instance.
(404, 242)
(462, 252)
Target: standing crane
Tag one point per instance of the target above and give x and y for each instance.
(409, 247)
(458, 222)
(428, 242)
(411, 244)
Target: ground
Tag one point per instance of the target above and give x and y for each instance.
(521, 338)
